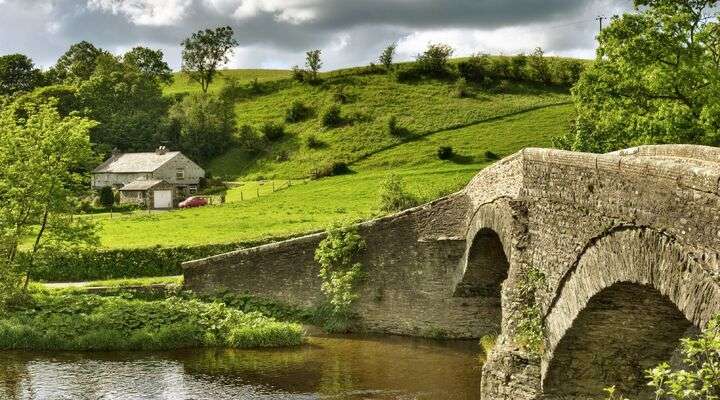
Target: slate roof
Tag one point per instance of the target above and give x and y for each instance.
(142, 184)
(135, 162)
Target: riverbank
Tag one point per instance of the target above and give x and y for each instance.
(65, 320)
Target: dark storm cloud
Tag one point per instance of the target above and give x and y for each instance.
(276, 32)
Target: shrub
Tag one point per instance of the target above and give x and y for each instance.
(331, 169)
(51, 321)
(332, 117)
(461, 88)
(489, 155)
(339, 95)
(445, 152)
(474, 69)
(107, 197)
(313, 142)
(249, 140)
(394, 196)
(273, 131)
(392, 126)
(538, 67)
(434, 60)
(518, 64)
(96, 264)
(340, 272)
(297, 112)
(408, 73)
(299, 74)
(500, 67)
(567, 72)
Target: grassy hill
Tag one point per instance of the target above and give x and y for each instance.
(500, 120)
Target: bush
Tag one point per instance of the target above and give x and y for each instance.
(332, 169)
(518, 66)
(461, 89)
(249, 140)
(392, 126)
(394, 196)
(489, 155)
(445, 152)
(313, 142)
(299, 74)
(297, 112)
(332, 117)
(434, 61)
(273, 131)
(538, 67)
(408, 73)
(474, 69)
(97, 264)
(88, 322)
(339, 95)
(107, 197)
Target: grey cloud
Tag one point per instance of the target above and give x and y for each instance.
(366, 25)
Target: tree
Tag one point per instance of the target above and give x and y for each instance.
(78, 63)
(204, 52)
(313, 62)
(107, 197)
(39, 184)
(435, 59)
(128, 104)
(656, 79)
(539, 66)
(387, 56)
(18, 73)
(149, 62)
(203, 125)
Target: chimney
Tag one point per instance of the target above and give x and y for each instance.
(161, 150)
(115, 154)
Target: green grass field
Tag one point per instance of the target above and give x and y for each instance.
(312, 205)
(182, 84)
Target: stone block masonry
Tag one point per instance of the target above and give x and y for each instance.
(623, 242)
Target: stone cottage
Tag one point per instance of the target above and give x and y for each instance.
(158, 180)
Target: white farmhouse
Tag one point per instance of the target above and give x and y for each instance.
(157, 180)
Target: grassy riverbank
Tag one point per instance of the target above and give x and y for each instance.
(58, 320)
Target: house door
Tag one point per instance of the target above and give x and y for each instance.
(163, 198)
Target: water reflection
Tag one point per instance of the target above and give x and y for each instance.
(354, 367)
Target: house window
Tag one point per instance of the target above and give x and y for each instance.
(180, 173)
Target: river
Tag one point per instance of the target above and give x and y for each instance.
(327, 367)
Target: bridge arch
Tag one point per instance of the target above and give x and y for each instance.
(633, 293)
(486, 261)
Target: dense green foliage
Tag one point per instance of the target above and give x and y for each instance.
(41, 154)
(313, 63)
(85, 264)
(201, 125)
(387, 56)
(699, 379)
(489, 71)
(86, 322)
(18, 73)
(206, 51)
(149, 62)
(78, 63)
(394, 195)
(340, 271)
(656, 80)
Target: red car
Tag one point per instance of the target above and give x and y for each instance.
(193, 202)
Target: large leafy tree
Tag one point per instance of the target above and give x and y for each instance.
(127, 103)
(18, 73)
(78, 63)
(206, 51)
(149, 62)
(202, 125)
(41, 153)
(656, 79)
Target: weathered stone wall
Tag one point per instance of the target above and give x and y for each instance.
(598, 227)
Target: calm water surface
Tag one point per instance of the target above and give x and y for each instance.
(348, 367)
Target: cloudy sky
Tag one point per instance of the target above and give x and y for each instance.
(275, 33)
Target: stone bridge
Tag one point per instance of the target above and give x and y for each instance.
(589, 268)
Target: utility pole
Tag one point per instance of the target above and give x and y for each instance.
(601, 19)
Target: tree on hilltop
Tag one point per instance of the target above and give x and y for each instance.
(205, 51)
